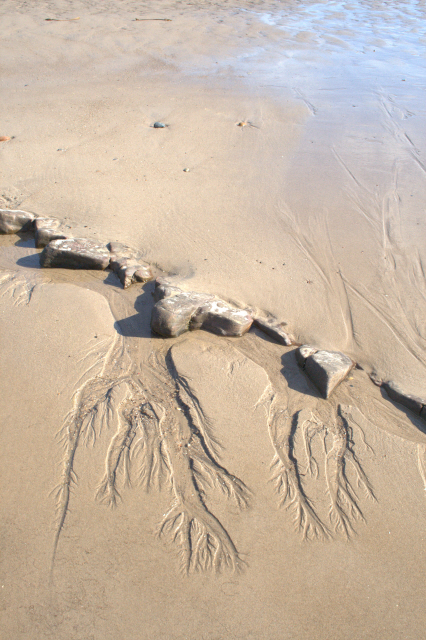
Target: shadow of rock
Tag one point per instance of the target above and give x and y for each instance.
(112, 281)
(30, 262)
(26, 239)
(295, 377)
(417, 421)
(139, 325)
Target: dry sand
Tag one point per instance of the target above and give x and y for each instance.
(312, 212)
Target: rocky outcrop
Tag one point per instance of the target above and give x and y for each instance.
(326, 369)
(14, 220)
(275, 330)
(75, 253)
(48, 229)
(177, 311)
(128, 265)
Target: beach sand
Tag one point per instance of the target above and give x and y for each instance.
(311, 212)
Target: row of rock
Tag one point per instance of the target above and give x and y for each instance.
(175, 310)
(65, 252)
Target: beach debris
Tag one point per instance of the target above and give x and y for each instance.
(75, 253)
(243, 123)
(274, 329)
(47, 229)
(177, 311)
(326, 369)
(150, 19)
(61, 19)
(159, 125)
(186, 170)
(14, 220)
(5, 138)
(397, 394)
(127, 264)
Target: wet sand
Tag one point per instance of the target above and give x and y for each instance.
(313, 212)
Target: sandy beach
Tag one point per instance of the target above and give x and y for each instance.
(199, 487)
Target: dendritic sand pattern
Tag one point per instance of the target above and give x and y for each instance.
(159, 437)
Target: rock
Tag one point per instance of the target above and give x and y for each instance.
(75, 253)
(273, 329)
(423, 412)
(46, 230)
(14, 220)
(159, 125)
(163, 289)
(127, 264)
(326, 369)
(129, 272)
(119, 251)
(304, 352)
(177, 311)
(413, 403)
(219, 317)
(172, 316)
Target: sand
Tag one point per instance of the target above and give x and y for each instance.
(312, 212)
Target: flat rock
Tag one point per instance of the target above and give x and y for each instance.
(14, 220)
(75, 253)
(48, 229)
(413, 403)
(219, 317)
(275, 330)
(326, 369)
(172, 316)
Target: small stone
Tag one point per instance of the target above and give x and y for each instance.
(395, 393)
(171, 316)
(159, 125)
(14, 220)
(75, 253)
(46, 230)
(219, 317)
(326, 369)
(273, 329)
(186, 170)
(143, 273)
